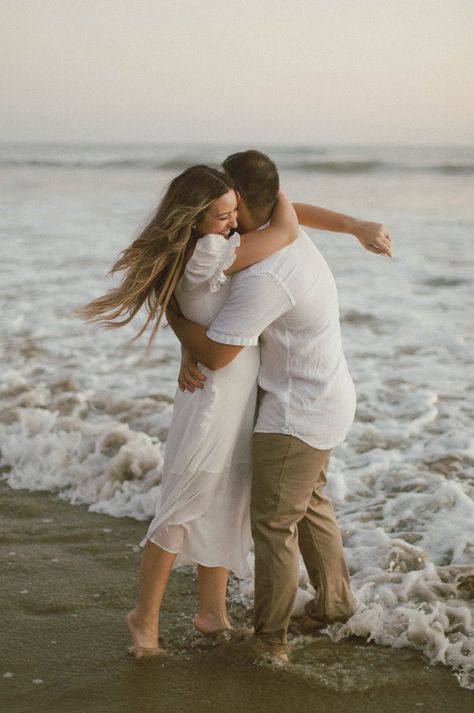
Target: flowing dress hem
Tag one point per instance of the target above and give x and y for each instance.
(239, 572)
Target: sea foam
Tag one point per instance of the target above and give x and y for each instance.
(85, 414)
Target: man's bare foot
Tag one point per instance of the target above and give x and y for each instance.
(307, 625)
(272, 659)
(211, 625)
(276, 655)
(266, 657)
(145, 639)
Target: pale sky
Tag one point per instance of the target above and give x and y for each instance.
(307, 71)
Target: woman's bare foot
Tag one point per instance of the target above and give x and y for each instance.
(145, 638)
(211, 625)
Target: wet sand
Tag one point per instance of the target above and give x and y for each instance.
(69, 577)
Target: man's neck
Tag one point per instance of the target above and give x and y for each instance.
(248, 222)
(263, 218)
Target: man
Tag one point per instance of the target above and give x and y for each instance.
(288, 303)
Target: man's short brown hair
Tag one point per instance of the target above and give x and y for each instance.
(255, 177)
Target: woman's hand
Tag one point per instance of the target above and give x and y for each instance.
(189, 378)
(374, 237)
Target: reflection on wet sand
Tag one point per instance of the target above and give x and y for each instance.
(70, 578)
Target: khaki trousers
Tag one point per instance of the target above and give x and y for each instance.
(289, 514)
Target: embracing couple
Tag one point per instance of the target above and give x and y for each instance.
(265, 395)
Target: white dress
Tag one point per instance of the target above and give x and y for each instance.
(203, 510)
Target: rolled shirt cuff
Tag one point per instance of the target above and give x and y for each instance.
(232, 339)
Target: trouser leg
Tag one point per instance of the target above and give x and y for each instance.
(321, 546)
(285, 471)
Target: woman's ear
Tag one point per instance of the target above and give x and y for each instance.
(237, 195)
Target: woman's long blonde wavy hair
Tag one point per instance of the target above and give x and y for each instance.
(154, 261)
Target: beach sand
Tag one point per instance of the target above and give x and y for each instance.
(68, 579)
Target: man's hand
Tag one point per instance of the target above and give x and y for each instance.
(190, 378)
(375, 237)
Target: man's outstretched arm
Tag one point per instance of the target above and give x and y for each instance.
(194, 339)
(374, 237)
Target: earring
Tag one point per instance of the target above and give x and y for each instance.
(193, 227)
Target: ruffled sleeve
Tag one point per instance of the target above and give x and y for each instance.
(212, 255)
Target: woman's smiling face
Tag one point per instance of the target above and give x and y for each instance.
(221, 216)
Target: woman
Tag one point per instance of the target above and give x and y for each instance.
(188, 250)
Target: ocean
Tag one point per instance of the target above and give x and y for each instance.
(84, 413)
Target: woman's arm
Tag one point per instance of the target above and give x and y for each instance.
(259, 244)
(373, 236)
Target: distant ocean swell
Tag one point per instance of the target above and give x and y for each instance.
(87, 417)
(336, 166)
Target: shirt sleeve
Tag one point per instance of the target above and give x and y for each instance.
(212, 255)
(255, 301)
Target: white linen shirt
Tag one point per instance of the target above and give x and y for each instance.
(289, 301)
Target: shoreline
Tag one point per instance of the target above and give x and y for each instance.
(69, 579)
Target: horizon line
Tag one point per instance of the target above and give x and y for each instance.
(273, 144)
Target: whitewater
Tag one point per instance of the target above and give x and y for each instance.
(85, 414)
